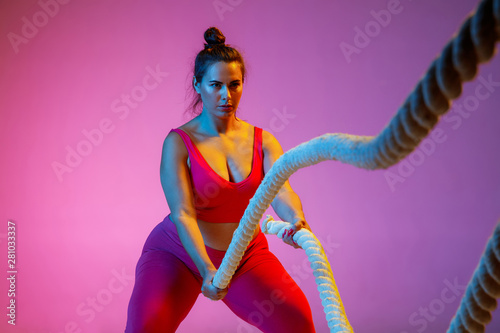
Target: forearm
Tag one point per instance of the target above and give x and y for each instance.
(288, 206)
(192, 240)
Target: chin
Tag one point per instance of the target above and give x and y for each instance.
(227, 114)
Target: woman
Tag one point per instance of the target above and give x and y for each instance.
(210, 168)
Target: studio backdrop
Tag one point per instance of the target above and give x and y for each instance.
(90, 88)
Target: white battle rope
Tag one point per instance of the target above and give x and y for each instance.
(328, 292)
(474, 43)
(326, 147)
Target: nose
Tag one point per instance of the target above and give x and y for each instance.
(225, 94)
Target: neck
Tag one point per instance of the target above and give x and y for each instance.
(217, 125)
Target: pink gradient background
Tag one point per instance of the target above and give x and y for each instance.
(391, 249)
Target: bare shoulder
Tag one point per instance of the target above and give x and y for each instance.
(270, 143)
(268, 137)
(271, 150)
(173, 147)
(189, 127)
(173, 141)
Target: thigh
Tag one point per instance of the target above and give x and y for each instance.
(267, 297)
(164, 292)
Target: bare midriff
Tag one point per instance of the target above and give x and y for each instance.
(218, 236)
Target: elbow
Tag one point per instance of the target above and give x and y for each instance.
(182, 218)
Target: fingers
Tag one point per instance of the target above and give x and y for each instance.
(212, 292)
(288, 237)
(216, 294)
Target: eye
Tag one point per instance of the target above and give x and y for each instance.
(215, 84)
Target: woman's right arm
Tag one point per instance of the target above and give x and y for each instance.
(176, 183)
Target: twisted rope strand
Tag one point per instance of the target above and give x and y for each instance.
(479, 299)
(473, 44)
(328, 291)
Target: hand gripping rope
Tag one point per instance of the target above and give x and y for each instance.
(473, 44)
(328, 292)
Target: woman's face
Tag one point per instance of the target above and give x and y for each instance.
(220, 89)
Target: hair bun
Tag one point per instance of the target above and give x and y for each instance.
(213, 37)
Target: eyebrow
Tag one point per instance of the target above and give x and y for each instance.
(215, 81)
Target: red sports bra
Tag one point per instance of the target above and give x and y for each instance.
(216, 199)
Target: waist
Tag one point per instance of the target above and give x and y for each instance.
(224, 209)
(216, 236)
(220, 235)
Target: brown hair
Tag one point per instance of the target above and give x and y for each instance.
(215, 50)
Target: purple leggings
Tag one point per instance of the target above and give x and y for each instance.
(167, 284)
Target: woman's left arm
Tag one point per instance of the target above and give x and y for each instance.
(286, 203)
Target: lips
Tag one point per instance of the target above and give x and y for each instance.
(226, 107)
